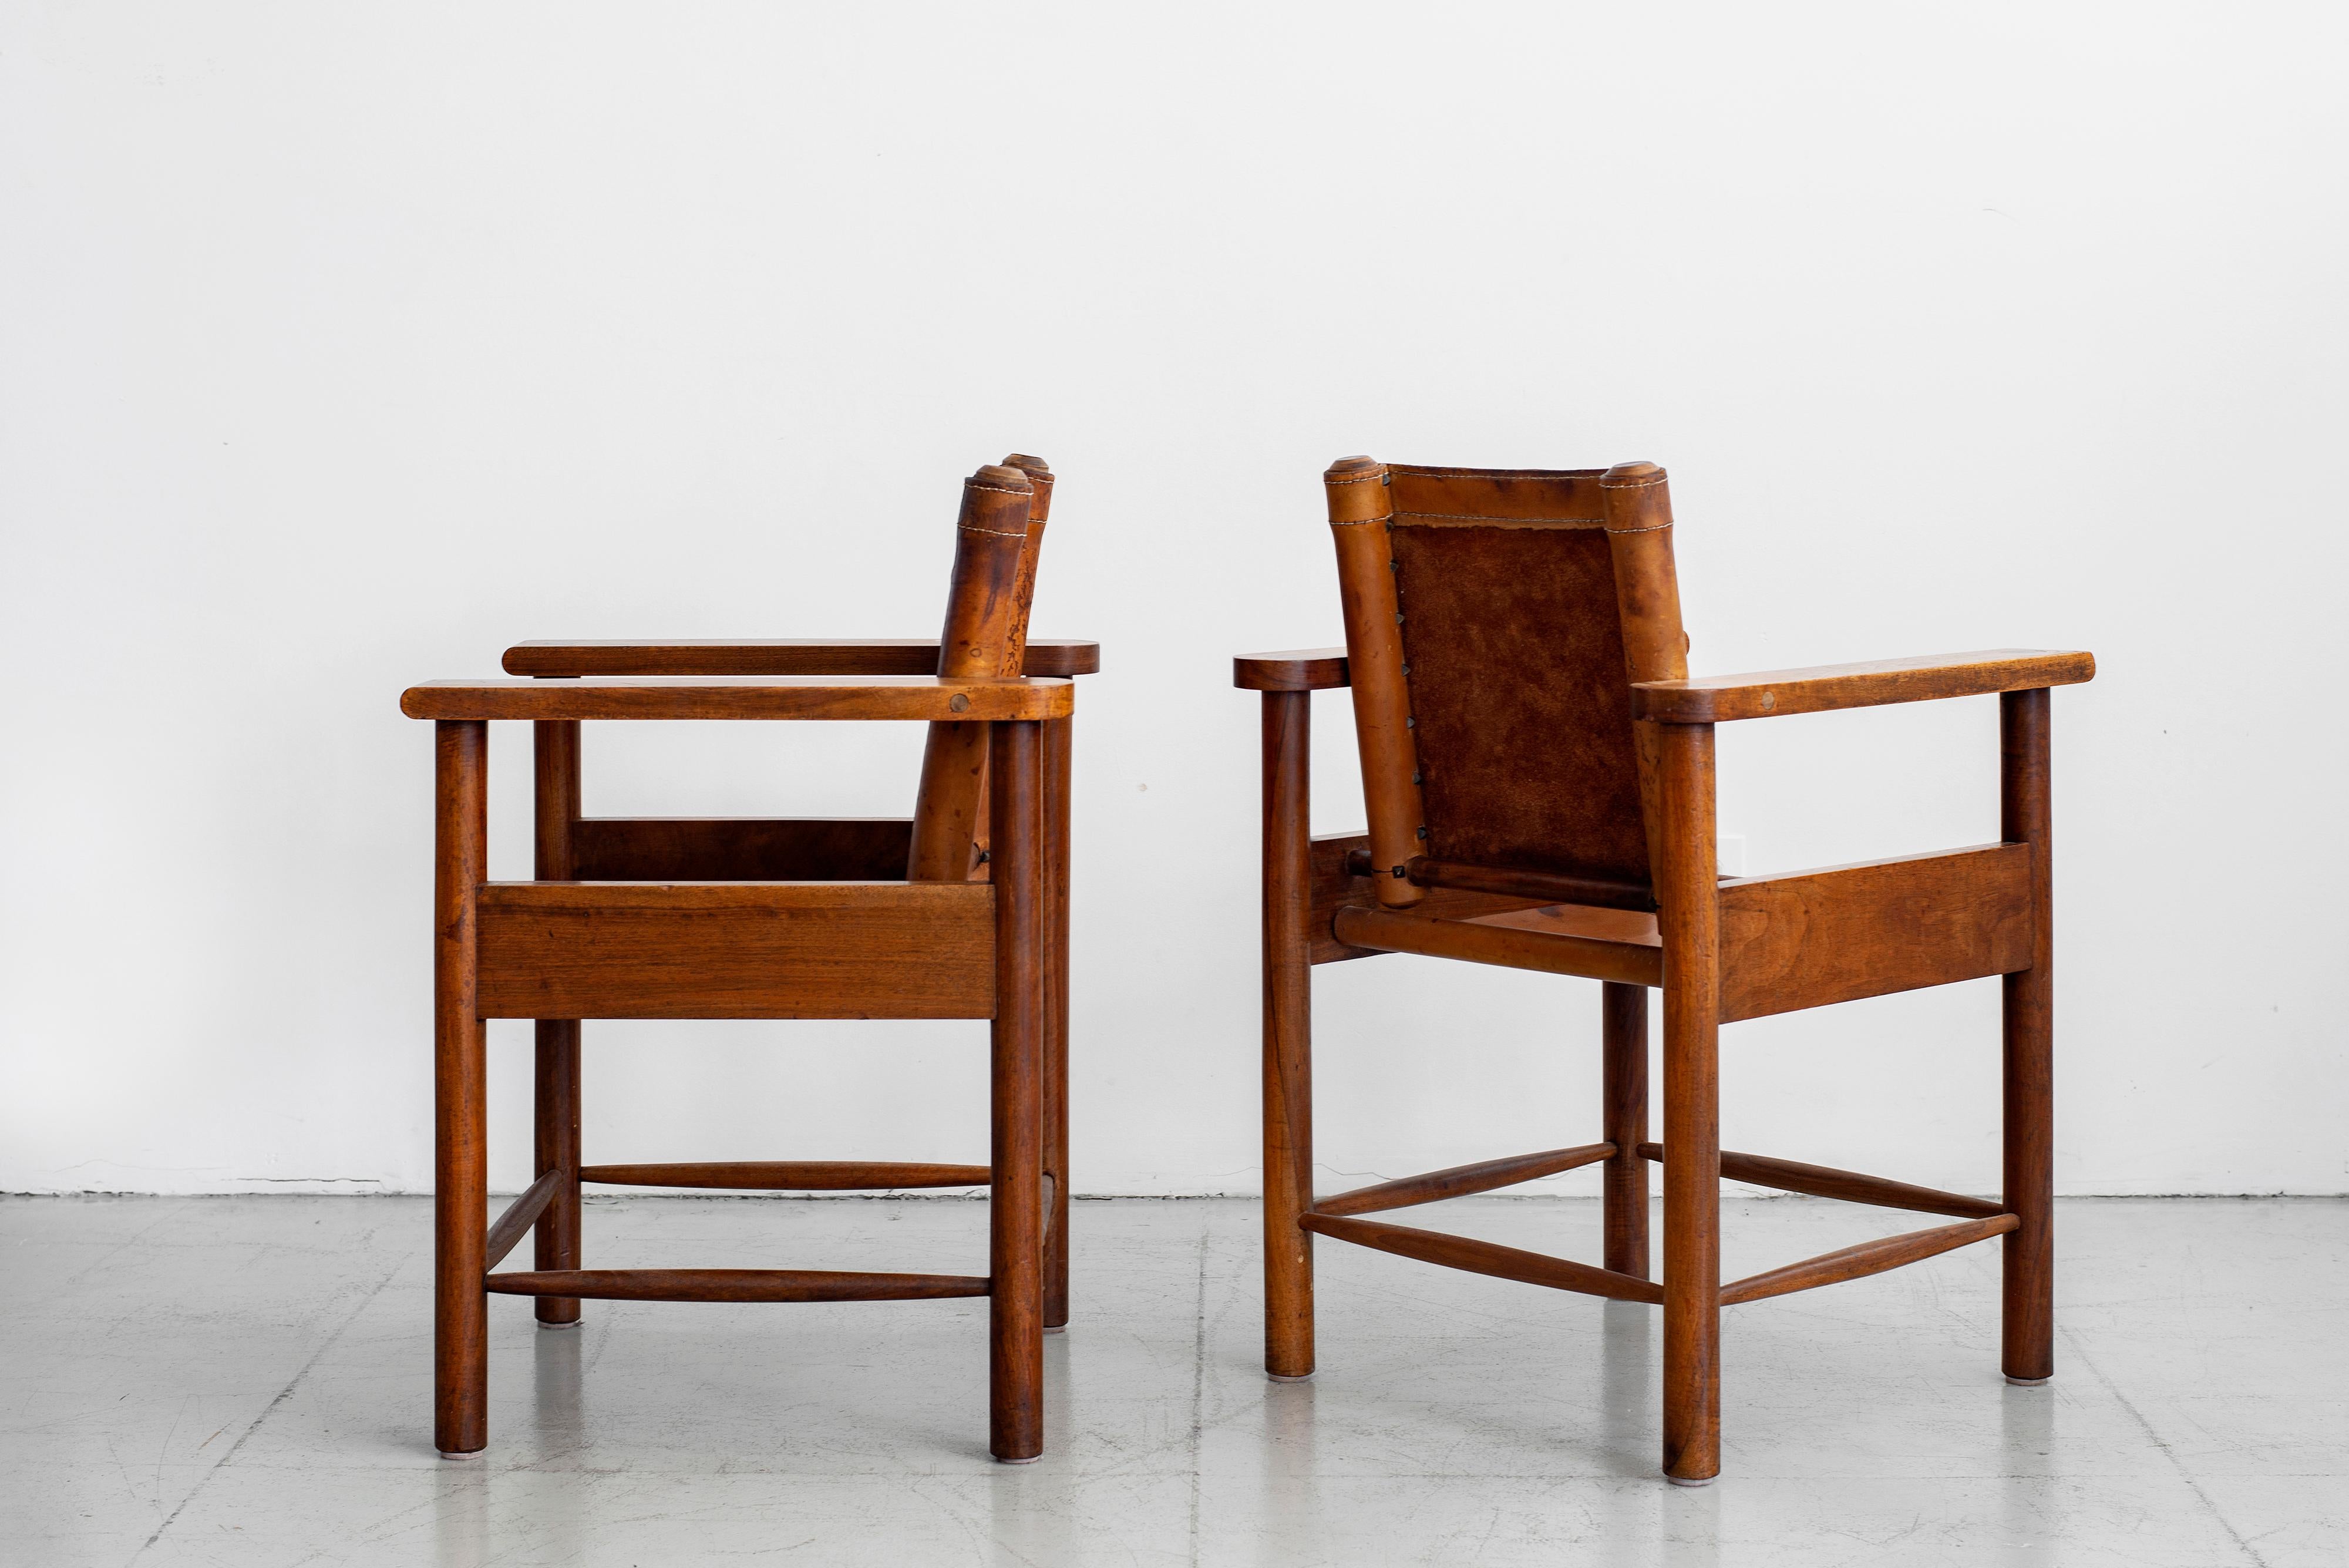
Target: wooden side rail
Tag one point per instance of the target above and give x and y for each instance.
(734, 1285)
(1848, 932)
(1298, 670)
(792, 1175)
(1850, 1186)
(1772, 693)
(1462, 1181)
(1484, 1258)
(739, 849)
(1047, 656)
(735, 950)
(898, 696)
(1560, 951)
(1867, 1257)
(520, 1216)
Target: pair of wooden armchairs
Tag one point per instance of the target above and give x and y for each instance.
(1537, 772)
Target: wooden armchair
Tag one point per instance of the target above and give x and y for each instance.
(1539, 774)
(959, 912)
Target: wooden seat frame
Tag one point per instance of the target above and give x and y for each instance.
(754, 918)
(1720, 950)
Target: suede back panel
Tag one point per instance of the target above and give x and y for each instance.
(1521, 706)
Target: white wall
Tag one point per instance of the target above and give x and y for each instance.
(341, 346)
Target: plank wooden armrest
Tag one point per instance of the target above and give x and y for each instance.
(1718, 698)
(1047, 656)
(1296, 670)
(743, 697)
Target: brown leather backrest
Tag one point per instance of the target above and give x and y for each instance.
(997, 536)
(1495, 622)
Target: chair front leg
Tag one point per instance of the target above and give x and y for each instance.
(461, 1378)
(1691, 928)
(1287, 1036)
(1016, 1242)
(2028, 1348)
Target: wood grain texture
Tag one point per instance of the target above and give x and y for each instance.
(1849, 931)
(1685, 884)
(461, 1166)
(1867, 1257)
(790, 1175)
(1288, 915)
(735, 1285)
(1483, 1258)
(1774, 693)
(1850, 1186)
(776, 656)
(1295, 669)
(740, 849)
(736, 950)
(1015, 1332)
(654, 696)
(2027, 1028)
(1534, 939)
(520, 1216)
(1460, 1180)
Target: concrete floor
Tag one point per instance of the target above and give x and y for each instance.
(244, 1381)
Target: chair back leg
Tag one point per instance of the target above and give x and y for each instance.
(1623, 1071)
(1059, 745)
(555, 1089)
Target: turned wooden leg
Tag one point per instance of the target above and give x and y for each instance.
(556, 1092)
(460, 1377)
(1623, 1046)
(1287, 1038)
(1016, 1242)
(2028, 1337)
(1058, 743)
(1691, 923)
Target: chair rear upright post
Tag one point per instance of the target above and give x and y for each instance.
(985, 626)
(1360, 511)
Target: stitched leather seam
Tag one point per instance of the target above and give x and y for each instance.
(1650, 529)
(1634, 485)
(993, 533)
(1520, 522)
(999, 489)
(1357, 478)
